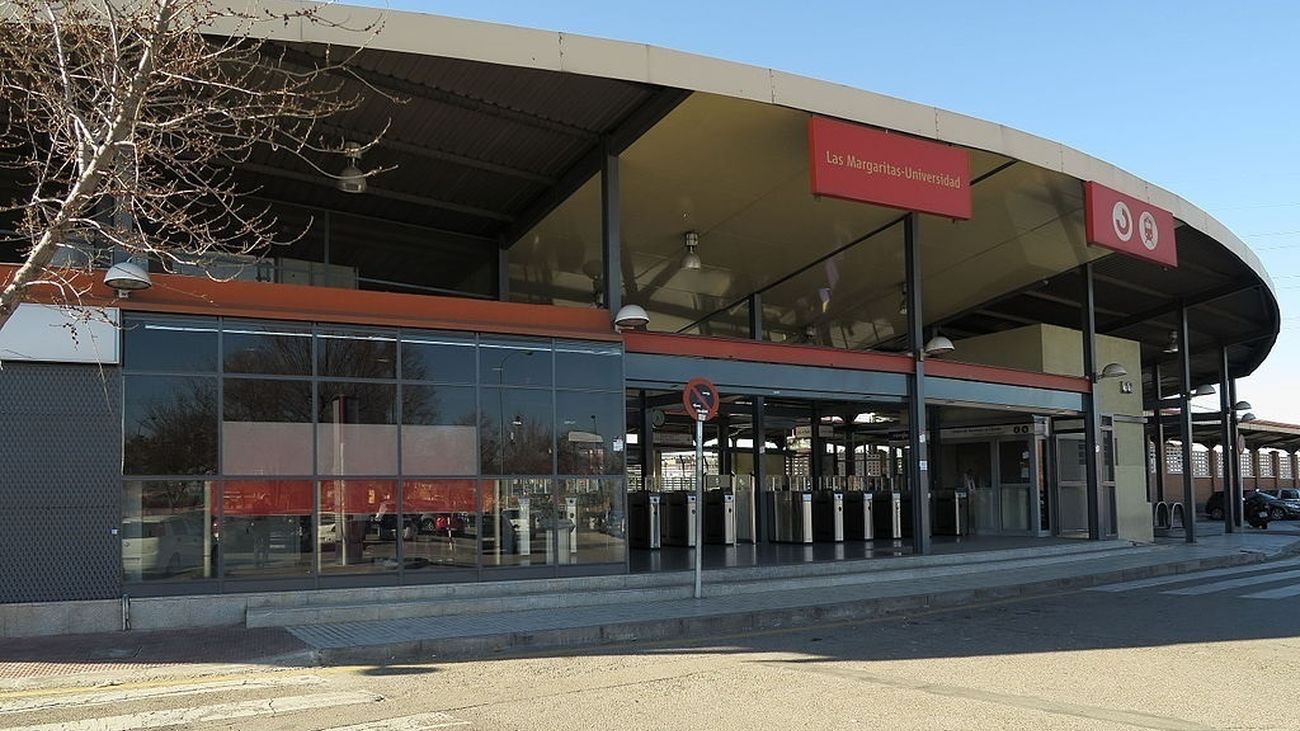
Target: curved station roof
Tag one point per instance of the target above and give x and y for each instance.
(496, 136)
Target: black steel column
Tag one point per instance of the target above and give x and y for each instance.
(1161, 464)
(1235, 492)
(724, 442)
(610, 247)
(850, 451)
(1225, 438)
(756, 316)
(647, 443)
(816, 447)
(759, 453)
(1091, 419)
(1185, 421)
(918, 463)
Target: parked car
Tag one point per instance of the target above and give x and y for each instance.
(1277, 509)
(161, 545)
(1286, 494)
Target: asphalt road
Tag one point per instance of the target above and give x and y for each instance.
(1213, 650)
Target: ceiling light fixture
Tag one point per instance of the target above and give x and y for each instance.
(1172, 346)
(939, 345)
(1205, 390)
(1112, 370)
(631, 317)
(1242, 406)
(127, 277)
(1247, 418)
(692, 260)
(351, 179)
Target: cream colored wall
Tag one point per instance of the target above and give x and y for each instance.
(1059, 350)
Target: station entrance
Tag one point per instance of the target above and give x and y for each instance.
(789, 480)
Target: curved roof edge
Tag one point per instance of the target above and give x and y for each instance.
(434, 35)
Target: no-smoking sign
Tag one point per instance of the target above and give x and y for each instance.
(700, 399)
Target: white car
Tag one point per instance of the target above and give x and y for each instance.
(164, 545)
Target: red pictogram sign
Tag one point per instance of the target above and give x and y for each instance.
(1128, 225)
(700, 399)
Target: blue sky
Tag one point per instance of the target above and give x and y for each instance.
(1197, 96)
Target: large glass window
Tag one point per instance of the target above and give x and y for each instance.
(439, 430)
(266, 427)
(329, 450)
(266, 528)
(439, 357)
(590, 430)
(356, 432)
(440, 523)
(170, 425)
(271, 349)
(167, 530)
(359, 526)
(517, 435)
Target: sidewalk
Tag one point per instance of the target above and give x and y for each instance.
(24, 663)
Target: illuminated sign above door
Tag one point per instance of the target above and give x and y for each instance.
(859, 163)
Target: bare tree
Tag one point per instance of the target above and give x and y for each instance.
(123, 121)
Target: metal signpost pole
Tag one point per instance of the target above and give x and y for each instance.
(699, 506)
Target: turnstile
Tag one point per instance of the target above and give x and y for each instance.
(828, 515)
(643, 530)
(791, 512)
(888, 514)
(746, 508)
(950, 513)
(859, 520)
(720, 517)
(677, 516)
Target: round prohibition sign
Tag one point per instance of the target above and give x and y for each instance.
(700, 399)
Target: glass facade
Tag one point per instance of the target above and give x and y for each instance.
(319, 454)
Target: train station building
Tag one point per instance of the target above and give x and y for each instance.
(927, 333)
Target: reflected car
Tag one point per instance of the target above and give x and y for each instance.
(164, 545)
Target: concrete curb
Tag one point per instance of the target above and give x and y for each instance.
(702, 628)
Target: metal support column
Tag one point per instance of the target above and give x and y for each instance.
(1091, 418)
(816, 447)
(1225, 438)
(610, 247)
(1161, 463)
(1234, 492)
(647, 444)
(759, 455)
(1185, 426)
(850, 451)
(724, 442)
(918, 466)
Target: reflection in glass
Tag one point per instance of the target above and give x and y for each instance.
(588, 366)
(357, 354)
(518, 522)
(440, 523)
(359, 526)
(357, 430)
(589, 430)
(266, 527)
(169, 344)
(439, 432)
(515, 362)
(266, 427)
(170, 425)
(516, 434)
(166, 530)
(273, 349)
(592, 522)
(438, 357)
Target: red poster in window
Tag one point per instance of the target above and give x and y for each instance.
(1130, 226)
(862, 164)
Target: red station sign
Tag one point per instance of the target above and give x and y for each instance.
(858, 163)
(1130, 226)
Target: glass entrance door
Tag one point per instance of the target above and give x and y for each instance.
(1071, 484)
(1016, 491)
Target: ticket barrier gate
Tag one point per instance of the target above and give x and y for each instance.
(677, 515)
(859, 518)
(644, 523)
(742, 486)
(888, 511)
(791, 511)
(720, 517)
(828, 516)
(950, 513)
